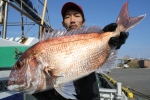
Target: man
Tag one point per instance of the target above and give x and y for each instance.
(86, 87)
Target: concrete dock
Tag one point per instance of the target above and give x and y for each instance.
(136, 79)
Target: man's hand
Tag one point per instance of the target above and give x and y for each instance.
(110, 27)
(116, 41)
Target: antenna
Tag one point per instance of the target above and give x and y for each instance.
(139, 56)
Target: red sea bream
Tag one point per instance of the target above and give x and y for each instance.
(63, 57)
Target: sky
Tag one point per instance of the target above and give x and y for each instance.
(97, 13)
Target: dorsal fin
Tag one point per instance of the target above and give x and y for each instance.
(84, 30)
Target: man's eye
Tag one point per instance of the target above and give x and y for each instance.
(77, 16)
(67, 16)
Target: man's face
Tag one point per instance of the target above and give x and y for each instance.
(73, 20)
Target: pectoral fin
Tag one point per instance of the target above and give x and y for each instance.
(110, 62)
(67, 90)
(50, 71)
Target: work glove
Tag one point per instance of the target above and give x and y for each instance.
(116, 41)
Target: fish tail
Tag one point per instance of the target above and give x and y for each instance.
(125, 23)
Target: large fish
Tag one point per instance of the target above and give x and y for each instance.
(62, 57)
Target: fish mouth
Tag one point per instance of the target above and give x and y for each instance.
(26, 88)
(11, 82)
(15, 87)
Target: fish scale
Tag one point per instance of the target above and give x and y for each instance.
(79, 59)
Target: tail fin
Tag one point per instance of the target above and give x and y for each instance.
(124, 21)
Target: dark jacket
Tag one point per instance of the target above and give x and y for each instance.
(86, 89)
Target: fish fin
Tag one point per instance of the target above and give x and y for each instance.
(54, 73)
(84, 30)
(110, 63)
(124, 21)
(67, 90)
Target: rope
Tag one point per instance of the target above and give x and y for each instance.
(30, 28)
(22, 22)
(23, 39)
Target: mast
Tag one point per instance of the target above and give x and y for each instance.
(42, 20)
(29, 12)
(32, 14)
(5, 20)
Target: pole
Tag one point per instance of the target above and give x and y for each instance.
(42, 20)
(5, 21)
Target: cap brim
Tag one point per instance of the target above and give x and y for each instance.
(68, 5)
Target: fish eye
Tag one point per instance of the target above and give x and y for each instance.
(19, 64)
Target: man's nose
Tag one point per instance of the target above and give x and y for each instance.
(72, 19)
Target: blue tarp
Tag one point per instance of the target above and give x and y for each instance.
(29, 3)
(18, 96)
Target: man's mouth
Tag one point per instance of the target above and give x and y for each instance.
(73, 26)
